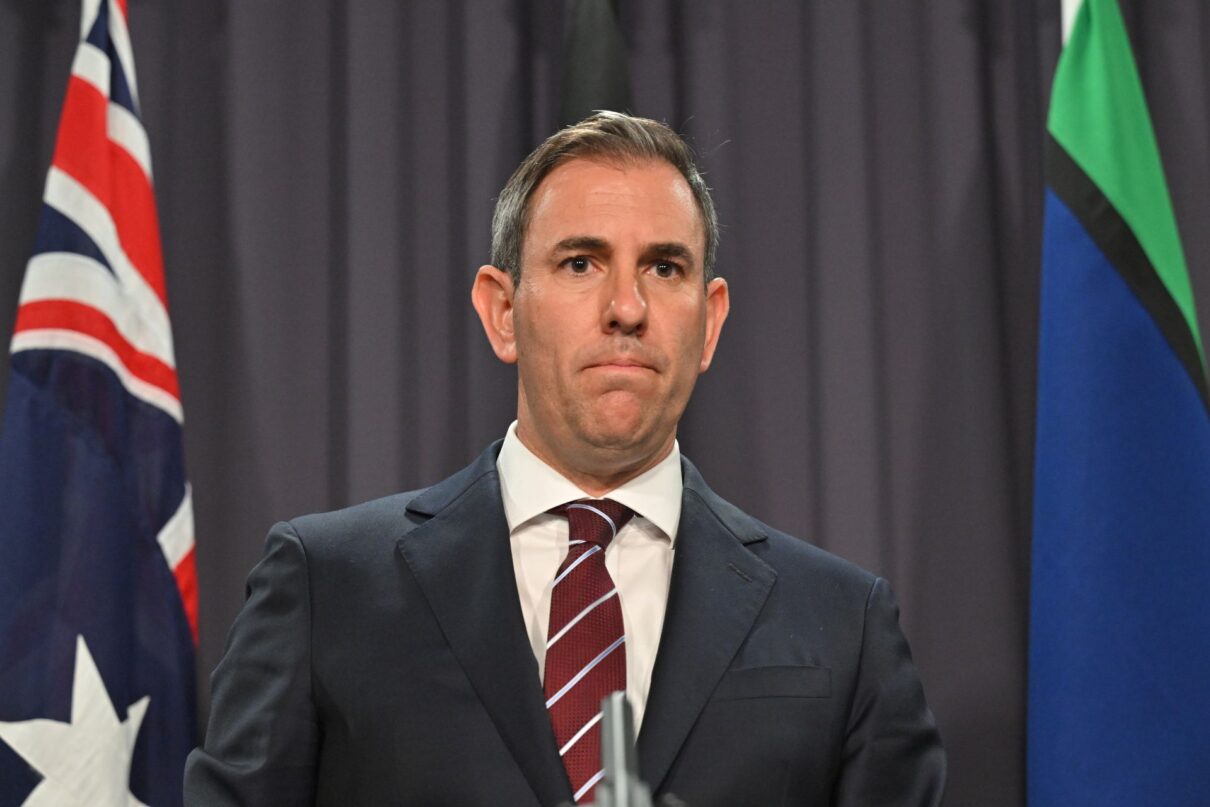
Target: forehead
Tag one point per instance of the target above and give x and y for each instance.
(646, 201)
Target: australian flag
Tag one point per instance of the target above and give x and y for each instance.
(98, 592)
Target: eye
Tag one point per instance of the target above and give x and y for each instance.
(667, 269)
(578, 265)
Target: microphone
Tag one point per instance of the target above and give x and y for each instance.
(621, 785)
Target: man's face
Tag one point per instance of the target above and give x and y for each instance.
(612, 321)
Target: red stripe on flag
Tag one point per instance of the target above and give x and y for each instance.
(72, 316)
(85, 152)
(82, 147)
(186, 582)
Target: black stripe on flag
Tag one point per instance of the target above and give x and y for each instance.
(1110, 232)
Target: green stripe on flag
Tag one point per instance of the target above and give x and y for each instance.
(1099, 115)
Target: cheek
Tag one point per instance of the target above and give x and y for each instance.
(550, 337)
(540, 359)
(531, 340)
(691, 337)
(542, 323)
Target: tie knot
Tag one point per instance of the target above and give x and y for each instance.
(596, 521)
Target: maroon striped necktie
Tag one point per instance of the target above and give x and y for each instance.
(586, 643)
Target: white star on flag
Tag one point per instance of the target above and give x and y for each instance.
(86, 761)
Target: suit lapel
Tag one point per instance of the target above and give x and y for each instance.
(461, 559)
(718, 588)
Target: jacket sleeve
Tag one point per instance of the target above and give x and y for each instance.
(892, 753)
(263, 736)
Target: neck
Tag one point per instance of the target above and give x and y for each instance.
(597, 478)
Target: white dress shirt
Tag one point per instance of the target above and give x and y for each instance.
(639, 559)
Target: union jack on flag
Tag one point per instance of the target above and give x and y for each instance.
(98, 591)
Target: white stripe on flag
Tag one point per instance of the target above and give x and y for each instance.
(88, 16)
(176, 538)
(80, 279)
(92, 65)
(127, 131)
(119, 35)
(1070, 9)
(54, 339)
(75, 201)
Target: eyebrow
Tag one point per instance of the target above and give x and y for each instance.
(670, 249)
(592, 243)
(588, 243)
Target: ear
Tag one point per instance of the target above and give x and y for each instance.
(718, 304)
(492, 296)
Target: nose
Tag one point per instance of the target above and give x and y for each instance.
(625, 309)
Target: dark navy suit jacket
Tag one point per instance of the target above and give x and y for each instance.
(381, 659)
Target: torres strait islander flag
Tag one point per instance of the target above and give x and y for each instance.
(98, 595)
(1119, 669)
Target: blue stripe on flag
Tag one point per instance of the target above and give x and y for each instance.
(103, 575)
(1120, 628)
(119, 88)
(58, 233)
(134, 433)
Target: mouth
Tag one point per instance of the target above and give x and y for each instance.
(621, 364)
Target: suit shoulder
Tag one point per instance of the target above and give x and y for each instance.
(793, 559)
(366, 524)
(787, 555)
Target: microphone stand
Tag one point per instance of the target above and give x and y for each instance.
(621, 785)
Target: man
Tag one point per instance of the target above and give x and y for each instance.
(451, 646)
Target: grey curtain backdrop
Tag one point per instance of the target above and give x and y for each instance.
(326, 173)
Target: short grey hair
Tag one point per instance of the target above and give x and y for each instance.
(603, 136)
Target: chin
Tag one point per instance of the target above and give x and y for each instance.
(619, 418)
(621, 435)
(616, 442)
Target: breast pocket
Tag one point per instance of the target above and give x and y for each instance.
(774, 682)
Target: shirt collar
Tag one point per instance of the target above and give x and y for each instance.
(529, 487)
